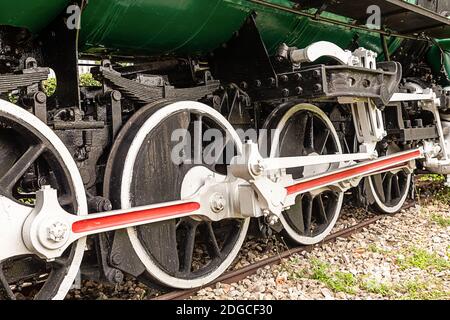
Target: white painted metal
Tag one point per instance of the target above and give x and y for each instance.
(313, 160)
(368, 121)
(321, 49)
(361, 57)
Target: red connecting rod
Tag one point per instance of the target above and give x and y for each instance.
(159, 212)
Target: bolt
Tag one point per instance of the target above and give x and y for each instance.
(244, 85)
(116, 259)
(105, 205)
(258, 83)
(116, 95)
(317, 87)
(218, 203)
(285, 92)
(40, 97)
(258, 168)
(284, 78)
(42, 181)
(57, 232)
(115, 276)
(299, 90)
(317, 74)
(271, 82)
(298, 77)
(272, 219)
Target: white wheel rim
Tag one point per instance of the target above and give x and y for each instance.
(24, 116)
(382, 206)
(274, 148)
(379, 202)
(127, 175)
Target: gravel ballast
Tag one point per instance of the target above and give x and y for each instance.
(404, 256)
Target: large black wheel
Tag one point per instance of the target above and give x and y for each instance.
(31, 155)
(180, 253)
(389, 190)
(303, 130)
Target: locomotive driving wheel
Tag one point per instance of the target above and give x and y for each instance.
(389, 190)
(305, 130)
(148, 165)
(31, 155)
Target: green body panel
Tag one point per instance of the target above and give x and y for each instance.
(163, 27)
(439, 59)
(33, 15)
(199, 26)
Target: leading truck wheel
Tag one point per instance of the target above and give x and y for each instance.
(303, 130)
(141, 170)
(32, 155)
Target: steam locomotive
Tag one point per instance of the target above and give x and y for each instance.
(206, 115)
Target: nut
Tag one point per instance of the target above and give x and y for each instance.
(57, 232)
(218, 202)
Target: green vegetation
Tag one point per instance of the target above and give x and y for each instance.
(432, 177)
(422, 259)
(416, 289)
(373, 248)
(86, 80)
(441, 220)
(49, 86)
(420, 290)
(373, 286)
(337, 281)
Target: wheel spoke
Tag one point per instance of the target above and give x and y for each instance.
(323, 142)
(302, 133)
(388, 188)
(188, 247)
(308, 215)
(211, 240)
(295, 214)
(21, 166)
(311, 132)
(396, 186)
(322, 211)
(378, 182)
(5, 290)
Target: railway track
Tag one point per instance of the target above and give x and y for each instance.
(242, 273)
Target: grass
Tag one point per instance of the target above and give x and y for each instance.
(337, 281)
(420, 290)
(422, 259)
(381, 288)
(441, 220)
(373, 248)
(432, 177)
